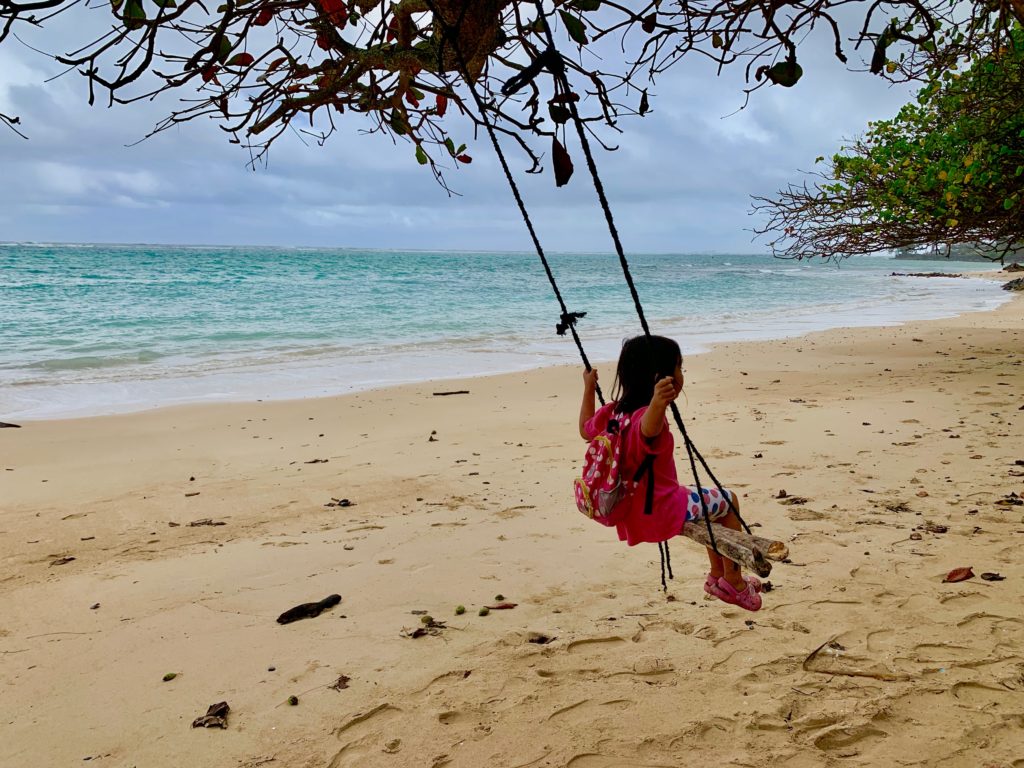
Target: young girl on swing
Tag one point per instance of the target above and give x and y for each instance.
(649, 377)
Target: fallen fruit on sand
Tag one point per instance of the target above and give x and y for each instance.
(170, 676)
(293, 700)
(499, 597)
(484, 611)
(459, 610)
(427, 619)
(308, 610)
(958, 574)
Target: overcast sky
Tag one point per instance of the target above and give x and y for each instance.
(680, 182)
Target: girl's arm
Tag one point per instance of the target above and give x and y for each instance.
(588, 404)
(654, 417)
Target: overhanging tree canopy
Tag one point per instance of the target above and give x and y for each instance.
(948, 169)
(261, 66)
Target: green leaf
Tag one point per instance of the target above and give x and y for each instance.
(785, 73)
(577, 31)
(559, 113)
(225, 49)
(134, 15)
(115, 5)
(398, 123)
(421, 155)
(451, 146)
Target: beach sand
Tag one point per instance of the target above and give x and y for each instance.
(886, 432)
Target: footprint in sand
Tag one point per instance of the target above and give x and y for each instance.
(881, 640)
(593, 643)
(363, 736)
(597, 760)
(964, 599)
(934, 653)
(847, 741)
(588, 708)
(981, 696)
(990, 622)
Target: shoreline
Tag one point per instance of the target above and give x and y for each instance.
(289, 372)
(168, 541)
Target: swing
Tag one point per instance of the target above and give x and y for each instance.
(753, 552)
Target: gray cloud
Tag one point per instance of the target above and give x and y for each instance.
(680, 180)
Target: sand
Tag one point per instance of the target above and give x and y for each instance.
(883, 430)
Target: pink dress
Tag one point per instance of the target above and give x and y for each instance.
(674, 504)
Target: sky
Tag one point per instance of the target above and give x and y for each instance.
(681, 179)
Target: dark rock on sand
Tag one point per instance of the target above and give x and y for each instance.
(308, 610)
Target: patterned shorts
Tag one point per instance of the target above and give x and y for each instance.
(718, 507)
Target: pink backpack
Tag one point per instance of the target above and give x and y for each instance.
(600, 488)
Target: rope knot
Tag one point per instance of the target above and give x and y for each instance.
(568, 321)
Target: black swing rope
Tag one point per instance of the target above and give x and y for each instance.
(568, 319)
(558, 71)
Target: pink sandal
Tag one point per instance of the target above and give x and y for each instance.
(748, 599)
(711, 582)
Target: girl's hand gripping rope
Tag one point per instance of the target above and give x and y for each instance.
(665, 391)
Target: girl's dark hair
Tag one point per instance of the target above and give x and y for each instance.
(643, 361)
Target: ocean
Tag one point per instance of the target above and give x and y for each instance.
(97, 329)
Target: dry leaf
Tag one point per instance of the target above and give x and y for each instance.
(958, 574)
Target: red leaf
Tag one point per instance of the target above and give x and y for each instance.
(210, 73)
(276, 63)
(336, 11)
(263, 18)
(241, 60)
(411, 98)
(958, 574)
(502, 606)
(442, 104)
(464, 159)
(322, 42)
(562, 163)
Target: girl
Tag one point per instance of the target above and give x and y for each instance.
(648, 378)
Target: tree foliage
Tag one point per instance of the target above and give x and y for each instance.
(260, 67)
(947, 169)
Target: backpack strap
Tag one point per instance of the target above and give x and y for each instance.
(647, 466)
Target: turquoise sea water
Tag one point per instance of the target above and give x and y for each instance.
(99, 329)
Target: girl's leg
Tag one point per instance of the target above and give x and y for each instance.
(731, 570)
(717, 564)
(721, 566)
